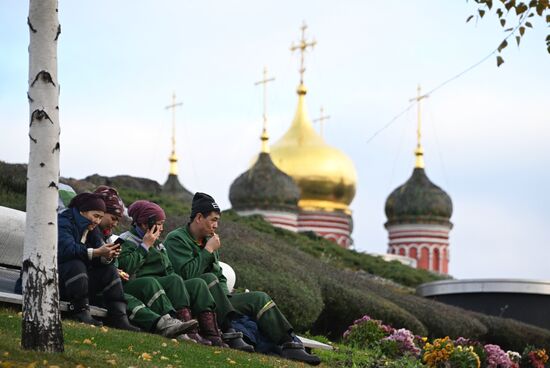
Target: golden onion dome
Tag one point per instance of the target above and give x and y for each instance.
(325, 175)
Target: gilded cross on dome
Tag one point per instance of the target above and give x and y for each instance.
(264, 137)
(173, 158)
(419, 151)
(321, 120)
(302, 47)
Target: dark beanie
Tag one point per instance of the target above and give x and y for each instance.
(87, 202)
(113, 203)
(141, 210)
(203, 203)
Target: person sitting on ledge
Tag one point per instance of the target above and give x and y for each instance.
(144, 258)
(85, 265)
(158, 317)
(193, 250)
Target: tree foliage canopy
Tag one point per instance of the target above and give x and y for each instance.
(514, 17)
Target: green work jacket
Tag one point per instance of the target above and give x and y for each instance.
(138, 262)
(189, 257)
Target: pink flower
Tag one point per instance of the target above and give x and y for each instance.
(496, 357)
(405, 341)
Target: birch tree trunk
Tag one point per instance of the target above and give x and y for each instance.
(41, 325)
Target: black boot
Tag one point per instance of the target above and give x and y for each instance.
(295, 351)
(80, 311)
(117, 318)
(235, 341)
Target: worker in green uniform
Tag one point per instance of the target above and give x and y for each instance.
(193, 251)
(142, 257)
(157, 317)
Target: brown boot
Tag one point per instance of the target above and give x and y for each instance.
(209, 328)
(193, 334)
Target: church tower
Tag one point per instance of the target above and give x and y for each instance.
(418, 214)
(326, 176)
(264, 189)
(172, 186)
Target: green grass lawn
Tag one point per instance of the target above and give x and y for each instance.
(86, 346)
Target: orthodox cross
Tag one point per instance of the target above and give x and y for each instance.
(419, 151)
(302, 47)
(321, 119)
(264, 137)
(173, 158)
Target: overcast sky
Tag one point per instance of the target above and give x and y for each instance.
(486, 134)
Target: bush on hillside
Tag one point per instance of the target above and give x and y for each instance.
(440, 319)
(331, 253)
(511, 334)
(13, 185)
(172, 207)
(262, 263)
(345, 303)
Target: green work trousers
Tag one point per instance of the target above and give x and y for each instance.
(256, 304)
(139, 314)
(166, 294)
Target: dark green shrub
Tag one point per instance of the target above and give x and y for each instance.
(330, 253)
(438, 318)
(513, 335)
(169, 205)
(364, 333)
(13, 185)
(265, 263)
(345, 303)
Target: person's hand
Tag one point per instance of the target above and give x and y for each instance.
(151, 236)
(108, 251)
(213, 243)
(123, 275)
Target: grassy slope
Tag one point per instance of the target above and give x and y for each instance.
(86, 346)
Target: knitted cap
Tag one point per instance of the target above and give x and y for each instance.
(88, 202)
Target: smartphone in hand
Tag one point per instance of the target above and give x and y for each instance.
(151, 221)
(119, 240)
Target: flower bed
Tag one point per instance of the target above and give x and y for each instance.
(369, 333)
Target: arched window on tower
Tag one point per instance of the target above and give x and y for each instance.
(436, 260)
(424, 261)
(413, 253)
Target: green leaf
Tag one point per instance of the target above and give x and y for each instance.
(548, 49)
(521, 30)
(521, 8)
(548, 38)
(500, 61)
(548, 18)
(528, 24)
(481, 13)
(469, 18)
(518, 38)
(502, 45)
(500, 13)
(533, 3)
(489, 3)
(502, 22)
(508, 29)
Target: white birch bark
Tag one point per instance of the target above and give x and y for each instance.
(41, 325)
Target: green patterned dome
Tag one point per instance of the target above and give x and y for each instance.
(419, 201)
(264, 186)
